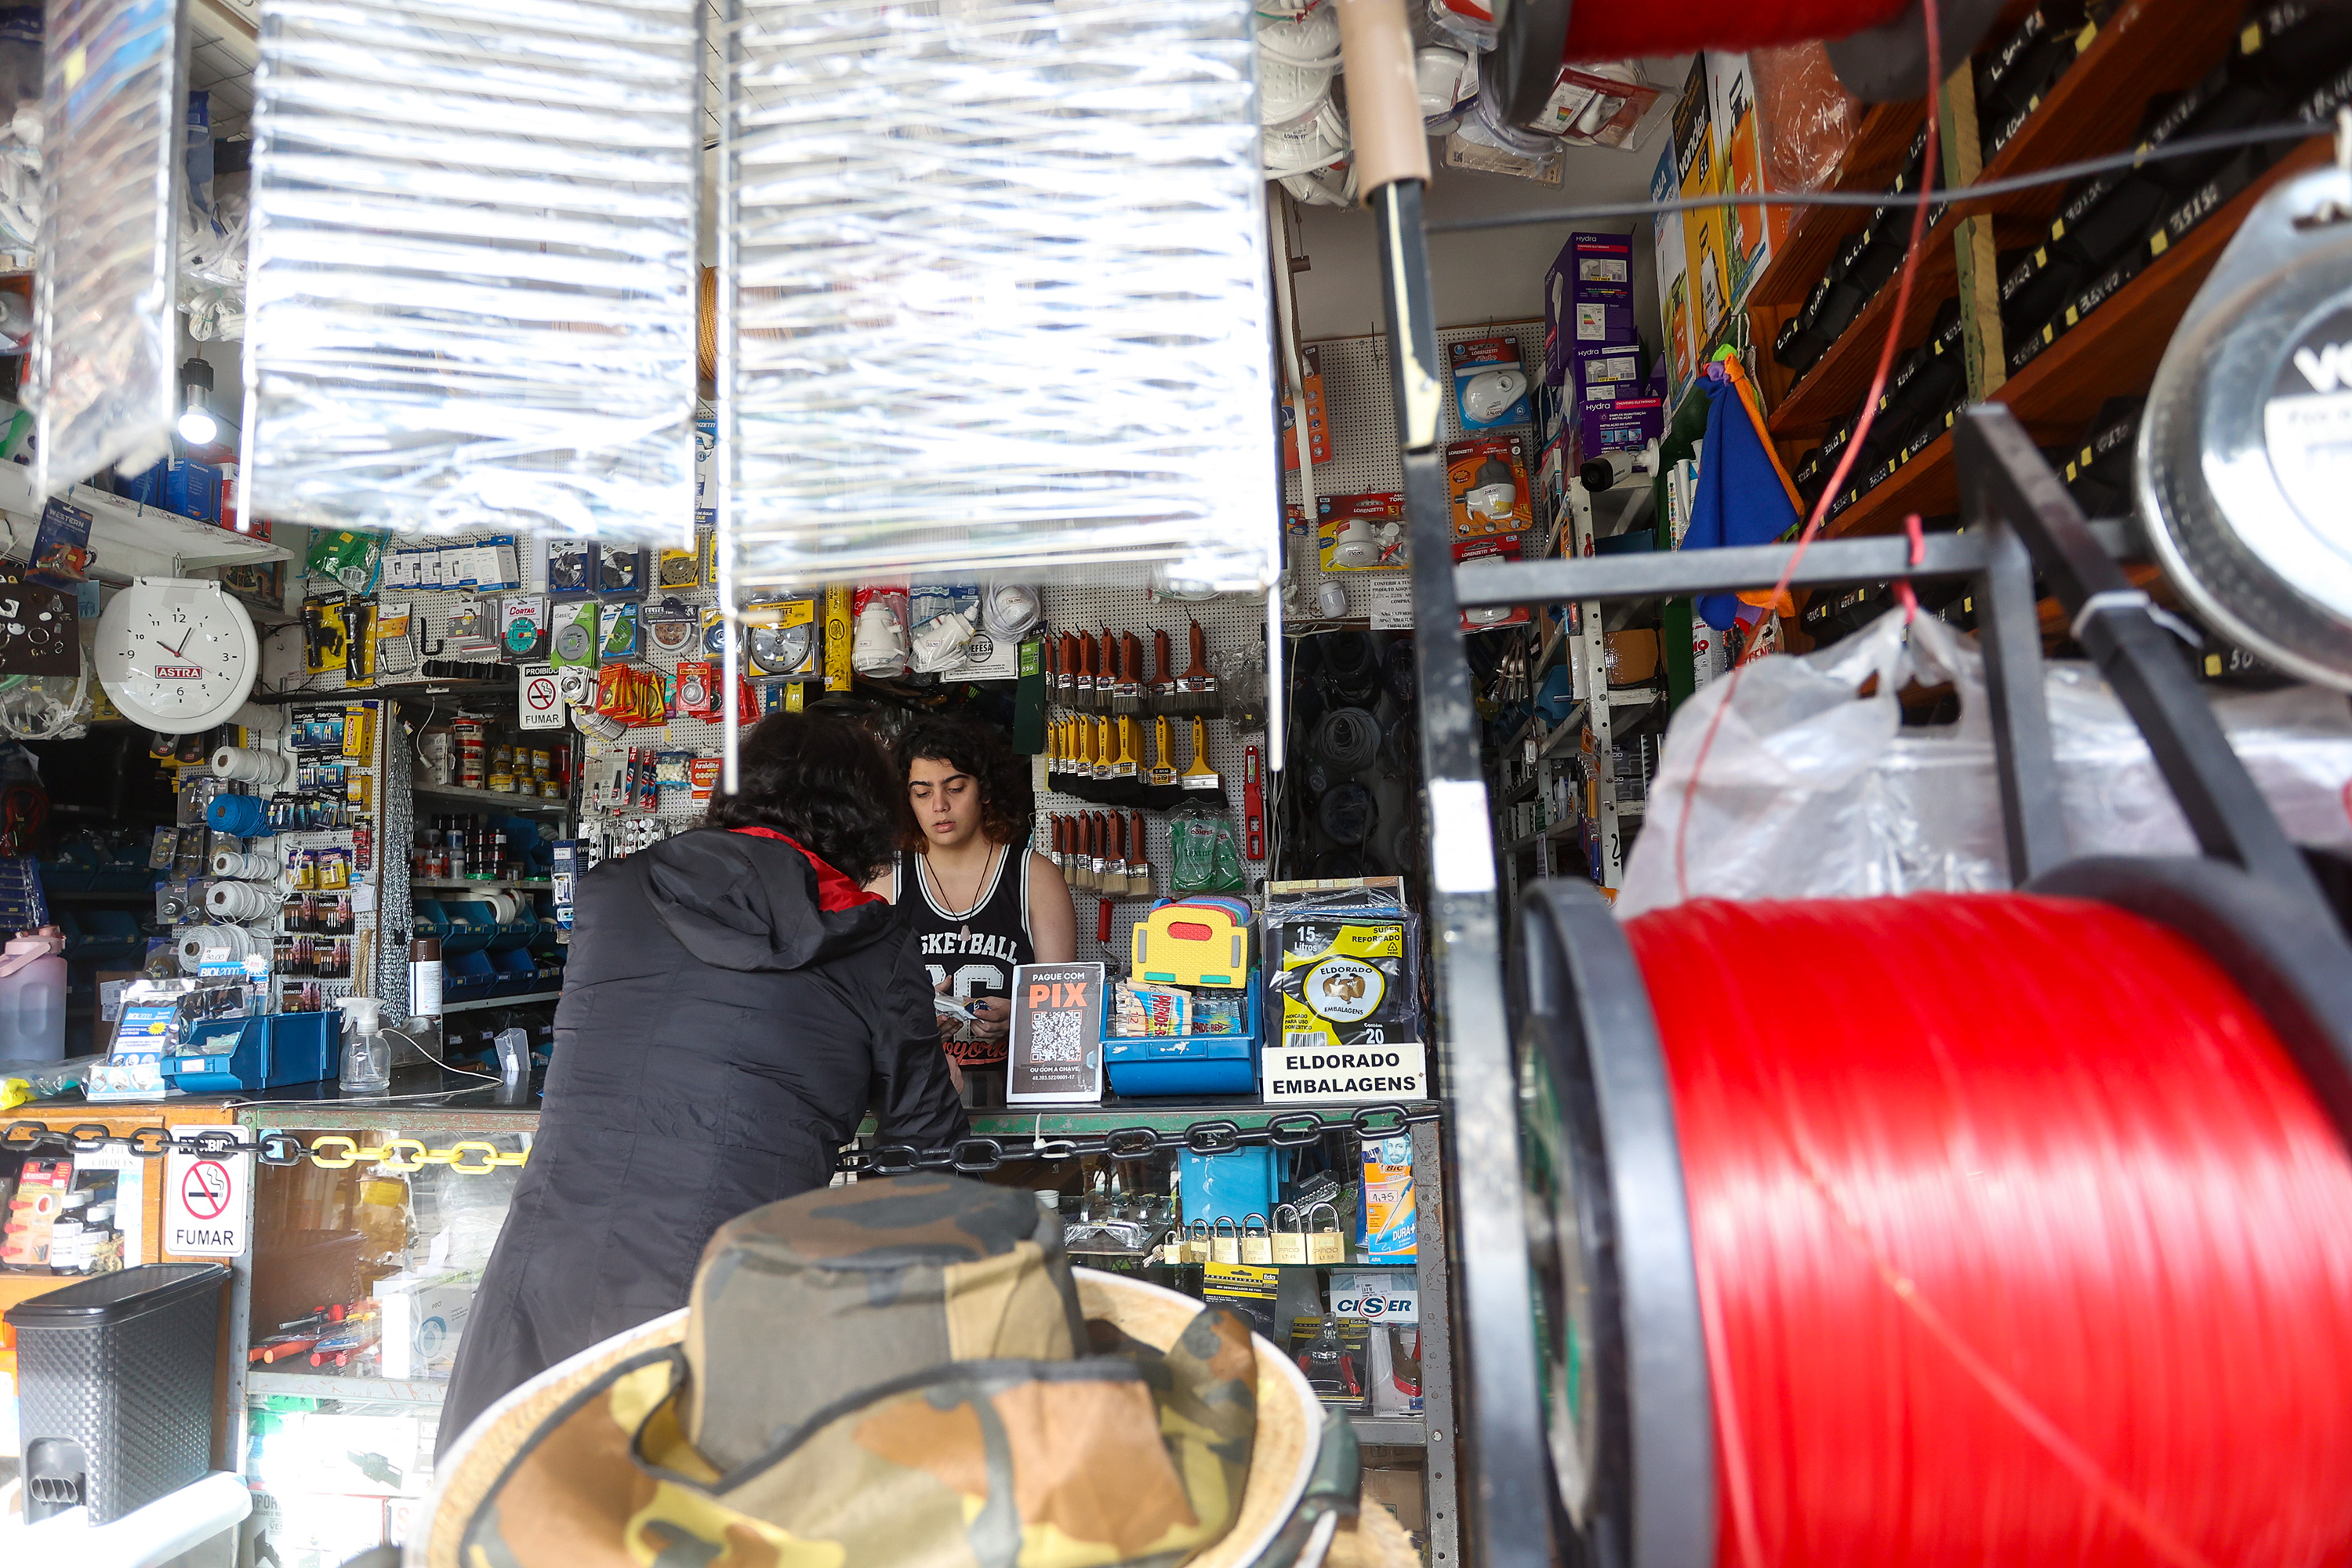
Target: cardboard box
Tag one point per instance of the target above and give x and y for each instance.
(1633, 656)
(1605, 375)
(1590, 269)
(1620, 425)
(1678, 352)
(1403, 1491)
(109, 1013)
(33, 1209)
(1319, 424)
(1698, 172)
(424, 1317)
(1752, 233)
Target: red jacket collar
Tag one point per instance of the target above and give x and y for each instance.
(834, 892)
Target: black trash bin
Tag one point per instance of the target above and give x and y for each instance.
(114, 1379)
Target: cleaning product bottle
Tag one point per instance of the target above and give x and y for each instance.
(367, 1054)
(33, 997)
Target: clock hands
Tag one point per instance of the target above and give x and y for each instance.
(184, 642)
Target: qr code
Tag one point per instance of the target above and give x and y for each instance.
(1055, 1037)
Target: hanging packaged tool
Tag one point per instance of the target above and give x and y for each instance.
(1348, 977)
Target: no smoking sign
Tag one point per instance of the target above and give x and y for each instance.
(207, 1201)
(540, 704)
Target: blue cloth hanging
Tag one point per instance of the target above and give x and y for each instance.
(1740, 498)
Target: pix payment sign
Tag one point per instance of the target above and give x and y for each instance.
(207, 1200)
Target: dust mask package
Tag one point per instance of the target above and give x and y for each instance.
(1002, 297)
(472, 292)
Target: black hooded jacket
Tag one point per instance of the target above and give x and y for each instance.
(731, 1008)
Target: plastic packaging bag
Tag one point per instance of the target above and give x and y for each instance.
(473, 277)
(112, 184)
(1203, 856)
(1002, 297)
(1807, 118)
(1811, 792)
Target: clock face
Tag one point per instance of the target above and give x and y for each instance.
(176, 655)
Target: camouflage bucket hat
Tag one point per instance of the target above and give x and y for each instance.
(904, 1371)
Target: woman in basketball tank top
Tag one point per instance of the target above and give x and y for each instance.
(979, 898)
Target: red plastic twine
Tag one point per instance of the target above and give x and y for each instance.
(2020, 1239)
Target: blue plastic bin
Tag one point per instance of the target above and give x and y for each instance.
(1187, 1064)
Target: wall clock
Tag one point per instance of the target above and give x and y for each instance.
(176, 654)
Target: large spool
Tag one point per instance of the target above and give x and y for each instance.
(1999, 1228)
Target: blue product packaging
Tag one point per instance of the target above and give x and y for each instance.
(1490, 385)
(1385, 1200)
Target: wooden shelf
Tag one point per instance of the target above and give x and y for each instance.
(2113, 352)
(1927, 484)
(1872, 161)
(2147, 47)
(1834, 387)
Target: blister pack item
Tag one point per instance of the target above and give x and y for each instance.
(106, 325)
(1348, 978)
(1204, 856)
(1140, 1011)
(879, 646)
(474, 240)
(1076, 381)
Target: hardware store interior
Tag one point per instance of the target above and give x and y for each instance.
(1399, 793)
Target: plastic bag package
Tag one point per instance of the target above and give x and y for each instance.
(1809, 792)
(472, 281)
(114, 76)
(1000, 293)
(1203, 855)
(214, 229)
(1807, 117)
(20, 129)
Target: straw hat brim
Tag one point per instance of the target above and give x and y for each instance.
(1282, 1456)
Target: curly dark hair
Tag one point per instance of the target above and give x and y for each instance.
(826, 782)
(977, 749)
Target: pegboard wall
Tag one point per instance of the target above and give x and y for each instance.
(1358, 410)
(1233, 624)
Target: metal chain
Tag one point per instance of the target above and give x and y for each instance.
(968, 1156)
(972, 1156)
(469, 1157)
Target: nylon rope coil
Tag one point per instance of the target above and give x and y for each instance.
(2019, 1239)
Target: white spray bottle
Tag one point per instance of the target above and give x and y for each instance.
(367, 1054)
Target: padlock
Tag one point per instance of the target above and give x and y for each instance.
(1224, 1249)
(1196, 1242)
(1172, 1247)
(1256, 1246)
(1326, 1245)
(1288, 1246)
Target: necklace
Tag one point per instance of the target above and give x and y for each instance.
(978, 891)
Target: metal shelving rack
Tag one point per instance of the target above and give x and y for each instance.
(1582, 638)
(1434, 1431)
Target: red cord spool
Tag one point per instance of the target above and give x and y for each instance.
(2019, 1238)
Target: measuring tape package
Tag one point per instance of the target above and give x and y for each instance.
(1348, 978)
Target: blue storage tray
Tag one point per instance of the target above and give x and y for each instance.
(1186, 1064)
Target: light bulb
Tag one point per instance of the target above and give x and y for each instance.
(198, 427)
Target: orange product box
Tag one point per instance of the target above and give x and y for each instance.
(1486, 478)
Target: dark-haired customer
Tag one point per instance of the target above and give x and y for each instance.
(978, 898)
(734, 1003)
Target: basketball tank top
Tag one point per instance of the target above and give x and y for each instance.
(972, 956)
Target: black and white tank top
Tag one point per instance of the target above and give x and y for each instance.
(972, 953)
